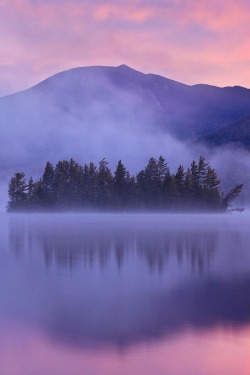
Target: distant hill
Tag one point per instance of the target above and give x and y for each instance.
(236, 133)
(90, 112)
(125, 96)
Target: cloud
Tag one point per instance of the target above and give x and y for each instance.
(188, 41)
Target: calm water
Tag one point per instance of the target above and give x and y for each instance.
(125, 294)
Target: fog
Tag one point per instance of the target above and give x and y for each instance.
(117, 280)
(95, 117)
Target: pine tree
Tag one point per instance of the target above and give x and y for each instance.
(212, 196)
(120, 175)
(69, 185)
(17, 192)
(162, 169)
(195, 186)
(211, 180)
(90, 186)
(166, 187)
(202, 171)
(48, 186)
(37, 201)
(105, 181)
(30, 193)
(173, 194)
(62, 184)
(30, 189)
(180, 180)
(140, 187)
(152, 187)
(194, 176)
(187, 196)
(121, 179)
(75, 183)
(230, 196)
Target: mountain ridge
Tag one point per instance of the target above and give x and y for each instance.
(88, 113)
(127, 68)
(236, 134)
(96, 106)
(183, 110)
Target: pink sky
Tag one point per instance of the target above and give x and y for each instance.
(187, 40)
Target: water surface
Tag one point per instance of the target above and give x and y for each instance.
(124, 294)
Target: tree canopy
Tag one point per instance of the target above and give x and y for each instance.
(71, 186)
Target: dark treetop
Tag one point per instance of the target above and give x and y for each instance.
(71, 186)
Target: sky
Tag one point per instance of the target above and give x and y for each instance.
(186, 40)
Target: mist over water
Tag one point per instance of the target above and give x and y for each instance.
(129, 289)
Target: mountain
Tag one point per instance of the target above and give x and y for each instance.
(123, 95)
(236, 133)
(89, 113)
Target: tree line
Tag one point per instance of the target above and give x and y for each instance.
(71, 186)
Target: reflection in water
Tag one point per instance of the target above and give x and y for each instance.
(125, 294)
(77, 241)
(211, 353)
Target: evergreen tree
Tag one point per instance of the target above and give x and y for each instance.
(187, 196)
(121, 180)
(105, 181)
(140, 187)
(212, 196)
(133, 202)
(17, 192)
(48, 186)
(75, 183)
(90, 186)
(37, 201)
(180, 184)
(71, 186)
(30, 191)
(229, 197)
(167, 190)
(194, 177)
(173, 194)
(202, 171)
(62, 191)
(196, 184)
(163, 169)
(120, 174)
(68, 184)
(152, 184)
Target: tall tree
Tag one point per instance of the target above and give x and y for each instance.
(48, 185)
(121, 180)
(153, 182)
(90, 186)
(202, 171)
(187, 205)
(69, 185)
(211, 195)
(180, 184)
(105, 181)
(17, 191)
(163, 169)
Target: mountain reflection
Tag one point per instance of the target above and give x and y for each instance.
(211, 305)
(204, 277)
(66, 243)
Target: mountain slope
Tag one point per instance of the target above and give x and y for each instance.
(112, 94)
(113, 112)
(236, 133)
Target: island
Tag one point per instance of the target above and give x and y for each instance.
(71, 186)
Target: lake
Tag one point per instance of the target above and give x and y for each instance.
(108, 294)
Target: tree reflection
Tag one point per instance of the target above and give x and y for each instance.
(67, 244)
(100, 306)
